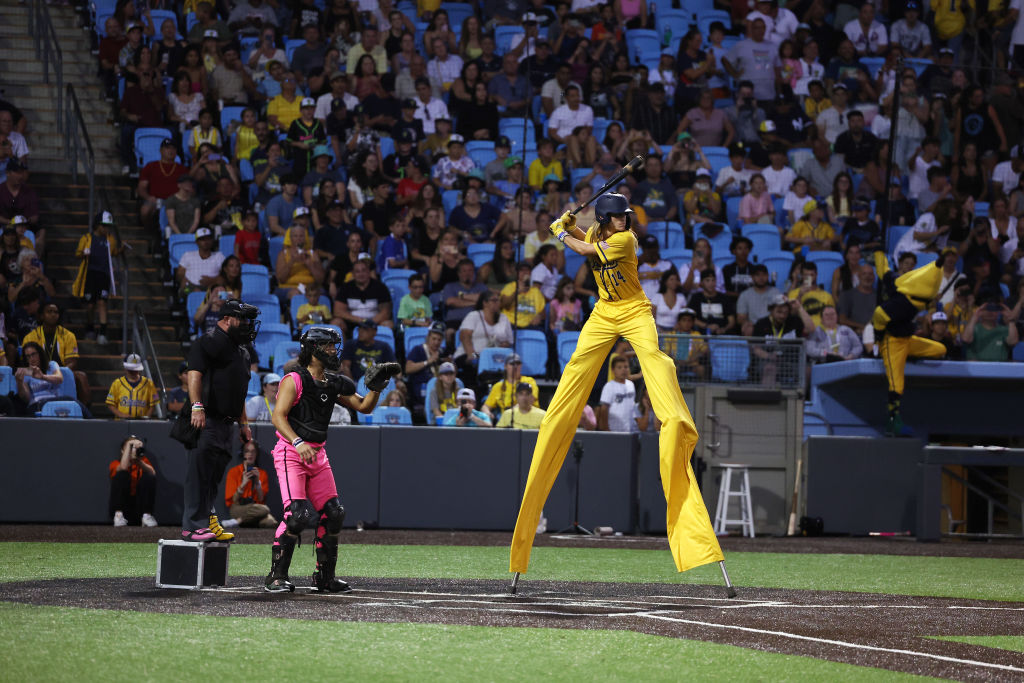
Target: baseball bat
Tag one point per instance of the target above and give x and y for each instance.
(791, 531)
(637, 162)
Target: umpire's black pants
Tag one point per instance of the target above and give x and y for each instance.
(206, 463)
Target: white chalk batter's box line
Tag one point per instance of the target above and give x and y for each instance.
(506, 604)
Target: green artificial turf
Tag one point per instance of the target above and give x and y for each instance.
(955, 577)
(55, 644)
(1012, 643)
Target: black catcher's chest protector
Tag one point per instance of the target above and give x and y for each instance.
(312, 414)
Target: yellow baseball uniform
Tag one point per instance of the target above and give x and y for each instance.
(622, 311)
(137, 401)
(503, 394)
(62, 346)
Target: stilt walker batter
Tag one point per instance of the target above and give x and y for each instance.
(305, 401)
(622, 311)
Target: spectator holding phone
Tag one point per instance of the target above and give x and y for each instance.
(468, 415)
(245, 490)
(132, 485)
(988, 338)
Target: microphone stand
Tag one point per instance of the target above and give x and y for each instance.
(575, 527)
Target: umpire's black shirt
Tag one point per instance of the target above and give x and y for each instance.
(225, 368)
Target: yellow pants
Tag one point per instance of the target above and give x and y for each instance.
(691, 537)
(896, 350)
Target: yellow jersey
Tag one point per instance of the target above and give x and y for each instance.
(615, 264)
(137, 401)
(63, 344)
(530, 420)
(530, 303)
(503, 394)
(802, 229)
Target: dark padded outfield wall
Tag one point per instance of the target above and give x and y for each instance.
(412, 477)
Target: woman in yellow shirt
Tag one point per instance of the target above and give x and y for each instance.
(297, 264)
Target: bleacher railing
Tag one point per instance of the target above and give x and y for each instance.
(40, 27)
(746, 361)
(78, 146)
(142, 342)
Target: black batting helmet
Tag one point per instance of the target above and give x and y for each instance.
(611, 203)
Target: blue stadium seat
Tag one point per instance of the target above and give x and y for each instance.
(730, 359)
(895, 234)
(284, 352)
(255, 283)
(384, 415)
(578, 174)
(669, 233)
(271, 334)
(755, 228)
(566, 344)
(192, 304)
(873, 65)
(573, 261)
(765, 243)
(1018, 352)
(472, 145)
(732, 211)
(642, 41)
(387, 147)
(479, 258)
(7, 383)
(532, 345)
(677, 255)
(449, 200)
(228, 114)
(67, 386)
(255, 386)
(289, 47)
(448, 414)
(778, 265)
(981, 209)
(69, 409)
(827, 262)
(414, 336)
(177, 245)
(492, 359)
(227, 245)
(503, 37)
(719, 243)
(722, 260)
(275, 247)
(245, 171)
(362, 390)
(482, 157)
(709, 16)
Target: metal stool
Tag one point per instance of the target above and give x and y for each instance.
(725, 492)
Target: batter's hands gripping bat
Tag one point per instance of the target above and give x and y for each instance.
(637, 162)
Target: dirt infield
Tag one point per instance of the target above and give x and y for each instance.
(883, 631)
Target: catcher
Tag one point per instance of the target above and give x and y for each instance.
(305, 401)
(622, 311)
(904, 297)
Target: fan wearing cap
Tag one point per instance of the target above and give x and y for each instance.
(910, 34)
(503, 393)
(178, 396)
(132, 396)
(524, 414)
(733, 179)
(938, 331)
(424, 361)
(95, 280)
(305, 133)
(158, 180)
(467, 414)
(622, 311)
(395, 165)
(199, 269)
(261, 408)
(455, 166)
(702, 203)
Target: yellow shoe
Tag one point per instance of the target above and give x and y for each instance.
(219, 532)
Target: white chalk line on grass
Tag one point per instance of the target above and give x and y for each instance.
(829, 641)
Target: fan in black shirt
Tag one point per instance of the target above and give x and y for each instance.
(715, 311)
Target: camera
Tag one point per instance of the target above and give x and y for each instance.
(140, 451)
(249, 467)
(465, 411)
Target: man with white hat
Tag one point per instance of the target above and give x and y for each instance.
(199, 269)
(468, 415)
(304, 134)
(260, 408)
(132, 397)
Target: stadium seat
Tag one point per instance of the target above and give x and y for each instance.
(7, 383)
(255, 386)
(566, 344)
(414, 336)
(448, 414)
(669, 233)
(227, 245)
(275, 247)
(290, 44)
(449, 200)
(492, 359)
(798, 157)
(69, 409)
(640, 42)
(709, 16)
(228, 114)
(482, 156)
(573, 261)
(873, 65)
(532, 345)
(732, 211)
(754, 228)
(1018, 352)
(385, 415)
(981, 209)
(270, 335)
(730, 360)
(827, 262)
(177, 245)
(362, 390)
(765, 242)
(722, 260)
(254, 283)
(67, 385)
(192, 304)
(719, 243)
(895, 234)
(677, 256)
(283, 352)
(503, 37)
(778, 265)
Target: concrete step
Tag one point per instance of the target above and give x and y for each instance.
(70, 43)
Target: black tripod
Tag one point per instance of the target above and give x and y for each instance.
(575, 528)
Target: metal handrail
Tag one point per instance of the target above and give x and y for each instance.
(991, 502)
(76, 136)
(48, 52)
(143, 343)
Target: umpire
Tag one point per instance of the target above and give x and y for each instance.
(218, 377)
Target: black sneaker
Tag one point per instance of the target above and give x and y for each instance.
(332, 585)
(275, 584)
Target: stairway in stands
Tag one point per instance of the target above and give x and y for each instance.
(64, 204)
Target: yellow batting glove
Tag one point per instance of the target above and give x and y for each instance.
(557, 229)
(568, 220)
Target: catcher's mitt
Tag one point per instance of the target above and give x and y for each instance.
(380, 374)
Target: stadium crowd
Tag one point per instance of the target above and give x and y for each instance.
(392, 170)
